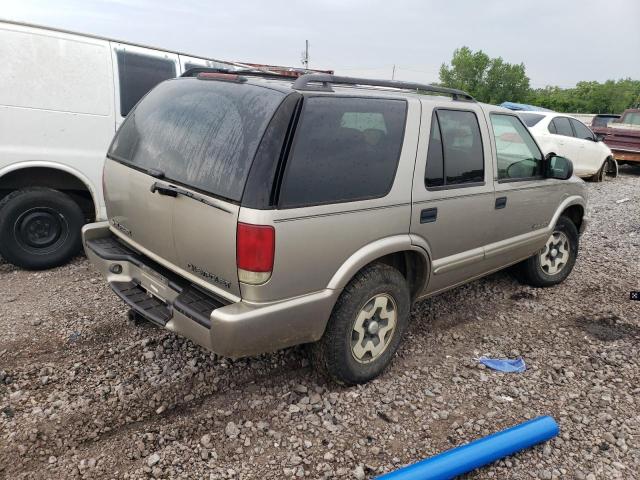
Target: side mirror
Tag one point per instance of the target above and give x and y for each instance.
(558, 167)
(599, 137)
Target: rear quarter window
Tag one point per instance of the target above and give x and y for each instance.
(345, 149)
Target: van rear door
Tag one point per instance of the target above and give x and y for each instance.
(177, 171)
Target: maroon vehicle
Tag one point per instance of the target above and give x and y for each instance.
(622, 136)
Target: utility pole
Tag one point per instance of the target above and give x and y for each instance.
(393, 73)
(305, 55)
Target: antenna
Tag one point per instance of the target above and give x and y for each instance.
(305, 55)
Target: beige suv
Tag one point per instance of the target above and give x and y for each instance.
(250, 213)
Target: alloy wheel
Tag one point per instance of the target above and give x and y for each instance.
(373, 328)
(555, 255)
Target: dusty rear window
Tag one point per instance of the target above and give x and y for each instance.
(199, 133)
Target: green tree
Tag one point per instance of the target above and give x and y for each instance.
(612, 96)
(490, 80)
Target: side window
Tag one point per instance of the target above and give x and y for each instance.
(517, 153)
(345, 149)
(434, 174)
(137, 74)
(563, 127)
(581, 130)
(455, 154)
(552, 127)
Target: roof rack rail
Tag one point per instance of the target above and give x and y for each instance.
(193, 72)
(309, 82)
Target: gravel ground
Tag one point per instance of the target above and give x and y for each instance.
(85, 394)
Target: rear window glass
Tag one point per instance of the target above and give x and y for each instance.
(345, 149)
(530, 119)
(137, 74)
(563, 127)
(203, 134)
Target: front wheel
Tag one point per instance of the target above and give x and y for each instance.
(39, 228)
(366, 326)
(552, 264)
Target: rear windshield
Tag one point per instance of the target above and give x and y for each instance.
(530, 119)
(200, 133)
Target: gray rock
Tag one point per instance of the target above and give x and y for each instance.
(232, 430)
(153, 459)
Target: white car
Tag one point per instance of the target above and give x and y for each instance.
(569, 137)
(62, 97)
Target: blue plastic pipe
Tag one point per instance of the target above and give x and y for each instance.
(478, 453)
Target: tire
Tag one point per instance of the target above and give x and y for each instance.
(356, 322)
(39, 228)
(534, 272)
(610, 168)
(599, 176)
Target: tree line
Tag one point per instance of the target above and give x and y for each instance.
(492, 80)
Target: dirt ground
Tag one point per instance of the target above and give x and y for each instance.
(85, 394)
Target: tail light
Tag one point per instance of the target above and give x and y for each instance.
(255, 252)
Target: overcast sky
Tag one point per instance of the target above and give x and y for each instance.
(560, 41)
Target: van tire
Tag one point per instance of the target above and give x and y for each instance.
(531, 271)
(39, 228)
(333, 355)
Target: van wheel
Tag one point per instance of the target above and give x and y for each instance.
(366, 326)
(552, 264)
(39, 228)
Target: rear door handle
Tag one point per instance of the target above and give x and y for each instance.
(428, 215)
(501, 202)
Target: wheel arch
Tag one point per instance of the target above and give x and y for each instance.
(575, 212)
(412, 261)
(59, 177)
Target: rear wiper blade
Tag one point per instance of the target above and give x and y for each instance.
(154, 172)
(173, 191)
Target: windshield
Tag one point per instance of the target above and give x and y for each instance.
(530, 119)
(602, 121)
(632, 118)
(200, 133)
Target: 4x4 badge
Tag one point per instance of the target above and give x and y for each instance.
(121, 227)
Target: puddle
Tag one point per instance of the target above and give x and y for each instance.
(524, 295)
(607, 329)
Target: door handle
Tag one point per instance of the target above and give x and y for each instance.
(428, 215)
(167, 190)
(501, 202)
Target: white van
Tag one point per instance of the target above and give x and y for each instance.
(62, 97)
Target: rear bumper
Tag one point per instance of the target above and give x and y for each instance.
(232, 330)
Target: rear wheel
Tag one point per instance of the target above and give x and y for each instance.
(39, 228)
(366, 326)
(610, 168)
(552, 264)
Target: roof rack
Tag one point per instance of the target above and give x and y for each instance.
(309, 82)
(193, 72)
